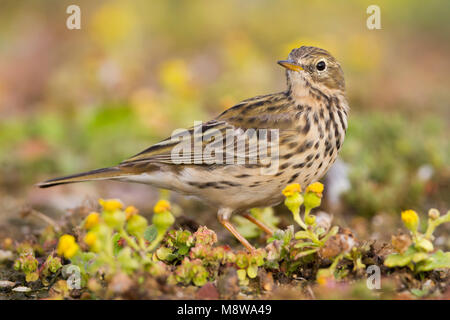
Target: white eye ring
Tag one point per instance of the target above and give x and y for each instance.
(322, 64)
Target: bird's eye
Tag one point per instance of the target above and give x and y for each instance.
(321, 65)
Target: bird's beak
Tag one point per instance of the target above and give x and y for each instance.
(290, 65)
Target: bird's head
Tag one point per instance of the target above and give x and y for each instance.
(311, 66)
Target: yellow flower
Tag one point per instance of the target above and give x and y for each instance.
(113, 23)
(292, 189)
(91, 220)
(111, 204)
(7, 243)
(130, 211)
(324, 276)
(90, 238)
(162, 206)
(174, 75)
(64, 243)
(410, 219)
(316, 187)
(67, 246)
(322, 280)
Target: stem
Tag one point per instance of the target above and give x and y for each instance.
(142, 244)
(314, 238)
(307, 211)
(299, 220)
(434, 223)
(108, 254)
(140, 249)
(155, 242)
(333, 266)
(129, 240)
(110, 261)
(430, 229)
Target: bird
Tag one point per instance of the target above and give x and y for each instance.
(301, 130)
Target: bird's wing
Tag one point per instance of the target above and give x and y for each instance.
(185, 145)
(238, 133)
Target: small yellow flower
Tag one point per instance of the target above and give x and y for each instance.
(174, 75)
(322, 280)
(130, 211)
(410, 219)
(316, 187)
(292, 189)
(67, 246)
(7, 243)
(90, 238)
(70, 252)
(324, 276)
(65, 242)
(91, 220)
(162, 206)
(111, 204)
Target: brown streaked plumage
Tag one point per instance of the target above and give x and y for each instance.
(311, 119)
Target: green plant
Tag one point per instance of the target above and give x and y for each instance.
(197, 259)
(29, 265)
(314, 234)
(417, 251)
(118, 240)
(318, 240)
(191, 271)
(248, 264)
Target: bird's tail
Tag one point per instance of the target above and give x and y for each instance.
(99, 174)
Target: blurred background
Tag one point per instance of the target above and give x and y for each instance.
(75, 100)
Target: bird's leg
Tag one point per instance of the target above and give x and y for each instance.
(224, 215)
(258, 223)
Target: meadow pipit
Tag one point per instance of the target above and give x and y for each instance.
(303, 129)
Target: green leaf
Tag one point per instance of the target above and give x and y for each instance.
(183, 250)
(252, 272)
(439, 260)
(32, 276)
(163, 253)
(400, 259)
(397, 260)
(116, 246)
(171, 257)
(284, 235)
(150, 233)
(242, 274)
(305, 253)
(425, 245)
(302, 235)
(419, 256)
(420, 293)
(272, 264)
(305, 244)
(288, 235)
